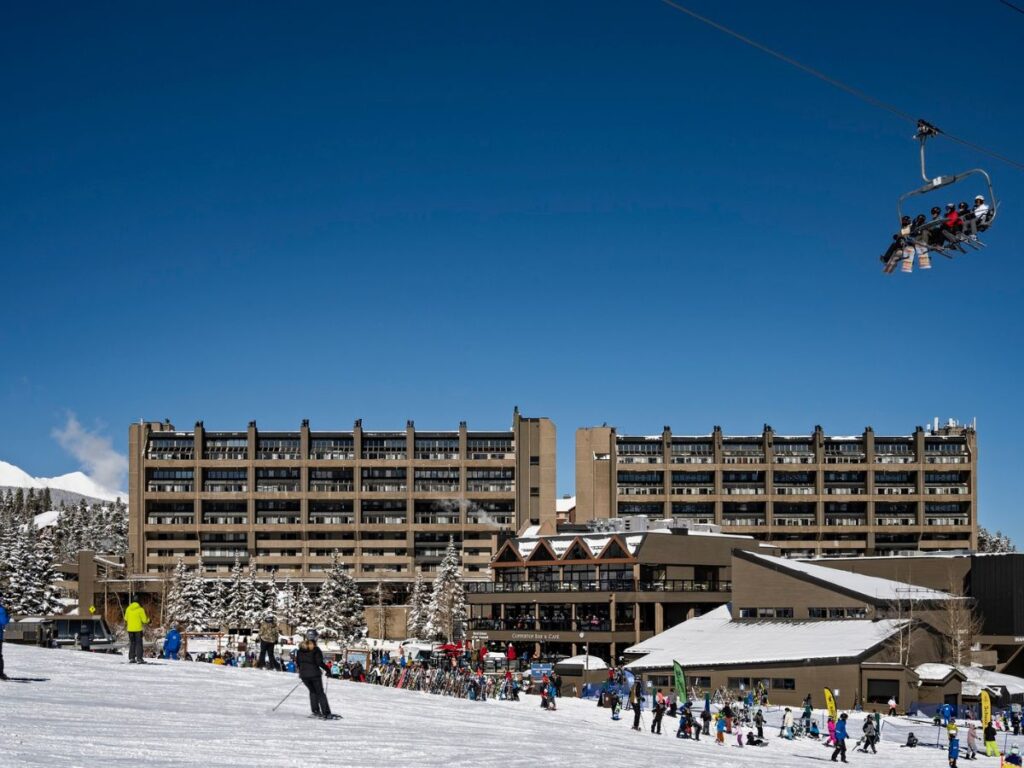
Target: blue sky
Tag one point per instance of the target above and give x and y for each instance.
(598, 211)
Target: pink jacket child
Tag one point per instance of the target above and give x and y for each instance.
(831, 731)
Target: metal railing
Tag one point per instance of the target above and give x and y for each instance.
(602, 585)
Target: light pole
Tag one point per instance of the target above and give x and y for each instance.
(586, 658)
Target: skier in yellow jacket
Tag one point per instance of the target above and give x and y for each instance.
(135, 619)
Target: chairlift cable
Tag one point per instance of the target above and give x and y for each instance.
(1018, 9)
(865, 97)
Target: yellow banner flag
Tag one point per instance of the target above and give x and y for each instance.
(986, 709)
(830, 704)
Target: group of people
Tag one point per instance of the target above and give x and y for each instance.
(959, 225)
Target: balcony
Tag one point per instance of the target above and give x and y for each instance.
(951, 520)
(331, 486)
(327, 519)
(794, 490)
(380, 519)
(435, 487)
(477, 517)
(845, 520)
(895, 520)
(277, 486)
(743, 521)
(155, 486)
(170, 520)
(332, 449)
(278, 449)
(603, 585)
(225, 519)
(170, 449)
(477, 486)
(490, 449)
(210, 553)
(384, 487)
(780, 456)
(210, 486)
(640, 490)
(696, 453)
(693, 490)
(442, 518)
(742, 489)
(277, 519)
(895, 490)
(794, 520)
(947, 490)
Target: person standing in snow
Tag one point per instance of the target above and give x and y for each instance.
(954, 750)
(991, 748)
(4, 620)
(705, 718)
(972, 741)
(636, 698)
(135, 619)
(720, 730)
(840, 739)
(310, 660)
(759, 723)
(787, 724)
(892, 706)
(869, 735)
(269, 635)
(659, 712)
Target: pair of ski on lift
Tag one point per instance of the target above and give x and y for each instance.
(949, 235)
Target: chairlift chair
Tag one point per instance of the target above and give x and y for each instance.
(926, 131)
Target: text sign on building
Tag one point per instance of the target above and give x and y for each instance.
(539, 637)
(539, 670)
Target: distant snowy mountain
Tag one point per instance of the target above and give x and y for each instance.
(77, 483)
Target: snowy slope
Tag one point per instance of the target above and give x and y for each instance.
(94, 710)
(73, 482)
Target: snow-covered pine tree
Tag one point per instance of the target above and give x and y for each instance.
(46, 575)
(232, 597)
(195, 601)
(447, 609)
(303, 606)
(215, 591)
(419, 608)
(174, 601)
(24, 592)
(339, 609)
(251, 608)
(271, 596)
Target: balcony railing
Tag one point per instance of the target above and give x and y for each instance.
(947, 490)
(895, 490)
(750, 521)
(283, 486)
(483, 487)
(641, 490)
(794, 458)
(602, 585)
(847, 520)
(794, 521)
(488, 518)
(340, 486)
(794, 490)
(383, 519)
(332, 519)
(170, 520)
(845, 490)
(225, 519)
(436, 455)
(946, 459)
(277, 519)
(743, 490)
(431, 519)
(693, 490)
(212, 487)
(899, 458)
(158, 487)
(946, 520)
(427, 487)
(895, 520)
(369, 487)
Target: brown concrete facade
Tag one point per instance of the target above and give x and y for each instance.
(386, 501)
(811, 495)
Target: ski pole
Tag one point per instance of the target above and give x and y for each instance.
(282, 701)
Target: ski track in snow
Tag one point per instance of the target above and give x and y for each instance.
(95, 710)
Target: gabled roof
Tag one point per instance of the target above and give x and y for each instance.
(870, 588)
(508, 554)
(542, 551)
(938, 674)
(715, 640)
(614, 549)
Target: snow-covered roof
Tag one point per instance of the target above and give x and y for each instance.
(565, 505)
(978, 679)
(934, 672)
(714, 639)
(870, 587)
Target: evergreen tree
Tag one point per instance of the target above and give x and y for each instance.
(218, 610)
(232, 600)
(31, 579)
(447, 609)
(195, 600)
(339, 609)
(271, 596)
(419, 606)
(251, 599)
(174, 599)
(303, 606)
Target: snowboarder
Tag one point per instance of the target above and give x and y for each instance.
(172, 642)
(840, 739)
(911, 740)
(269, 636)
(4, 620)
(310, 662)
(135, 619)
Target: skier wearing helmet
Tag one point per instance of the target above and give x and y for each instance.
(269, 636)
(310, 660)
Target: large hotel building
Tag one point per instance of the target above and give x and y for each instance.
(809, 495)
(388, 502)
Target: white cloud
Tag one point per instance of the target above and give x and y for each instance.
(95, 452)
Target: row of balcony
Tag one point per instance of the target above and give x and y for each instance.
(367, 519)
(600, 585)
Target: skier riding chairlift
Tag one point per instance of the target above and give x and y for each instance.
(947, 235)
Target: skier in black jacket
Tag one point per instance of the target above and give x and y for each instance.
(310, 660)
